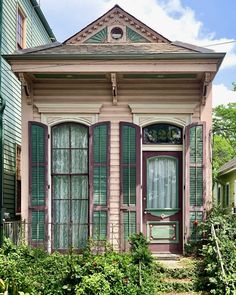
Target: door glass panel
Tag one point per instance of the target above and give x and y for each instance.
(162, 182)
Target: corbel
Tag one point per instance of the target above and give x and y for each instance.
(205, 86)
(26, 89)
(114, 88)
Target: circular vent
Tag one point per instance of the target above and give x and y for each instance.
(116, 33)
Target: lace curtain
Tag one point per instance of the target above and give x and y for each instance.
(162, 187)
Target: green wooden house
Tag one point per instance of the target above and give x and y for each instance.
(225, 189)
(22, 25)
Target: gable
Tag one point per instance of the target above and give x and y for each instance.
(116, 26)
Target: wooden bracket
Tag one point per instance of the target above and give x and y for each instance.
(205, 85)
(114, 88)
(26, 89)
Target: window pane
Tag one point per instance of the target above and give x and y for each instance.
(61, 137)
(79, 218)
(61, 224)
(162, 186)
(79, 187)
(162, 134)
(79, 161)
(60, 160)
(79, 136)
(61, 187)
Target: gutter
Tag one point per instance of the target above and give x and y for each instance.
(43, 19)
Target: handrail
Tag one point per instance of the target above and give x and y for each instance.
(213, 233)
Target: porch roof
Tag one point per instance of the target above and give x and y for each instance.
(228, 167)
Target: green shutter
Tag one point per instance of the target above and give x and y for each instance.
(100, 171)
(196, 165)
(129, 177)
(38, 180)
(129, 220)
(195, 168)
(128, 162)
(100, 162)
(38, 226)
(99, 225)
(196, 218)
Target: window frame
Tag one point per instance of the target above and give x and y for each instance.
(69, 174)
(227, 194)
(20, 31)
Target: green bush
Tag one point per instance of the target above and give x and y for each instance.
(214, 279)
(33, 271)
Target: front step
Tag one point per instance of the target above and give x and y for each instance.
(166, 256)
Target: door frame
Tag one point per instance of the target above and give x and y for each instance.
(176, 247)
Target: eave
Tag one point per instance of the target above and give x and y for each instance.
(155, 56)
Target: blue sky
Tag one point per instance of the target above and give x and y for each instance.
(200, 22)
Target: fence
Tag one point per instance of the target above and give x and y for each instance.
(67, 236)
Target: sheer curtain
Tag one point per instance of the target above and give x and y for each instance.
(162, 186)
(70, 185)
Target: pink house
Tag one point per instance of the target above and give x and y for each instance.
(116, 131)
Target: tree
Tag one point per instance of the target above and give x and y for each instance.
(222, 153)
(224, 135)
(224, 122)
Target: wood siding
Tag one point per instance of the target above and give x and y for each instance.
(11, 89)
(99, 92)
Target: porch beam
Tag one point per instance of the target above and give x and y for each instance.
(113, 67)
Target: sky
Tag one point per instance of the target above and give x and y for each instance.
(207, 23)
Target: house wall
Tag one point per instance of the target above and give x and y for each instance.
(55, 101)
(11, 89)
(223, 180)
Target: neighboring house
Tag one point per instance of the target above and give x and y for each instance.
(225, 188)
(22, 25)
(116, 125)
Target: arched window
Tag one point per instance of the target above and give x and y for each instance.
(70, 197)
(162, 133)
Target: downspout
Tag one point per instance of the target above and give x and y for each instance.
(2, 107)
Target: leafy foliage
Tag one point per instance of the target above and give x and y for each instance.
(224, 139)
(225, 226)
(34, 271)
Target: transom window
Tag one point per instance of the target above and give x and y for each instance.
(20, 33)
(70, 196)
(162, 133)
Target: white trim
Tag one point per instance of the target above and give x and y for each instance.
(163, 108)
(143, 120)
(152, 147)
(54, 119)
(63, 108)
(234, 193)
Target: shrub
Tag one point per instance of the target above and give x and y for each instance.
(34, 271)
(225, 227)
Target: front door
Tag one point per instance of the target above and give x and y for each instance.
(162, 201)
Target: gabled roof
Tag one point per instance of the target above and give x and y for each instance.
(117, 16)
(228, 167)
(138, 42)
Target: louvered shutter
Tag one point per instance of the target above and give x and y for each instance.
(38, 187)
(129, 178)
(99, 179)
(195, 169)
